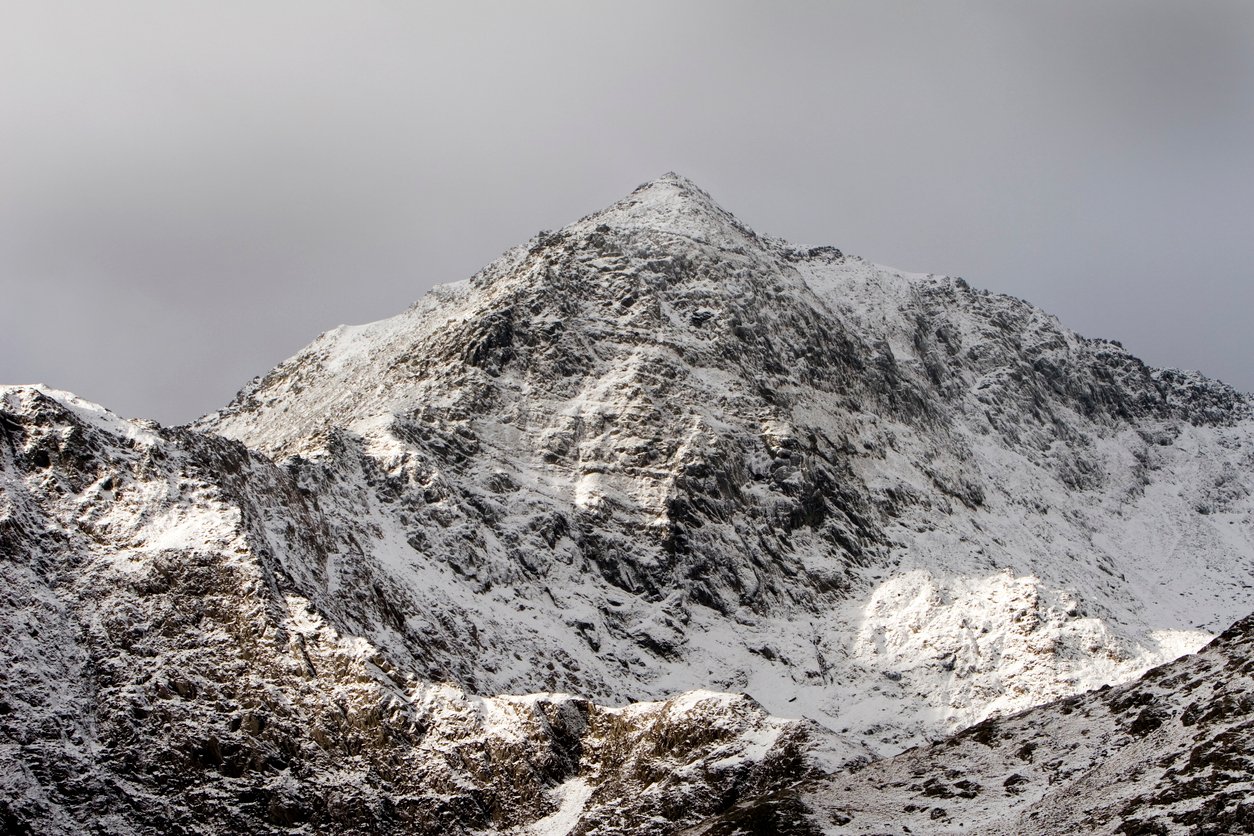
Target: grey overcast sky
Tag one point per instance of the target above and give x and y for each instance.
(190, 192)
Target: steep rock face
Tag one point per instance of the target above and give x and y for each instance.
(165, 671)
(658, 451)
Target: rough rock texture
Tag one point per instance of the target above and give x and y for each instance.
(648, 454)
(164, 674)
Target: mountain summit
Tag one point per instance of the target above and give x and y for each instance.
(647, 455)
(703, 453)
(673, 204)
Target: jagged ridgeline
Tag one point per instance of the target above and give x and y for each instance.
(648, 454)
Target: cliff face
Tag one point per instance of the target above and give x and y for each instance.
(647, 454)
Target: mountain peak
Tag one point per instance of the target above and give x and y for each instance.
(674, 204)
(675, 183)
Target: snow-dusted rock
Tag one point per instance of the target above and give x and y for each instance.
(164, 675)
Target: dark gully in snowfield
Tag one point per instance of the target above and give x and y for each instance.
(736, 522)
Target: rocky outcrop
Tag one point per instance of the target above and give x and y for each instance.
(165, 672)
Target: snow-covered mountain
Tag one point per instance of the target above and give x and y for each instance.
(648, 454)
(665, 453)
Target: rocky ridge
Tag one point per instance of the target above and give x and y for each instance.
(164, 675)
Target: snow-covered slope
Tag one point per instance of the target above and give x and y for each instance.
(1170, 753)
(642, 460)
(659, 452)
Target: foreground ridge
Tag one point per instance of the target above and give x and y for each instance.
(1169, 753)
(165, 677)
